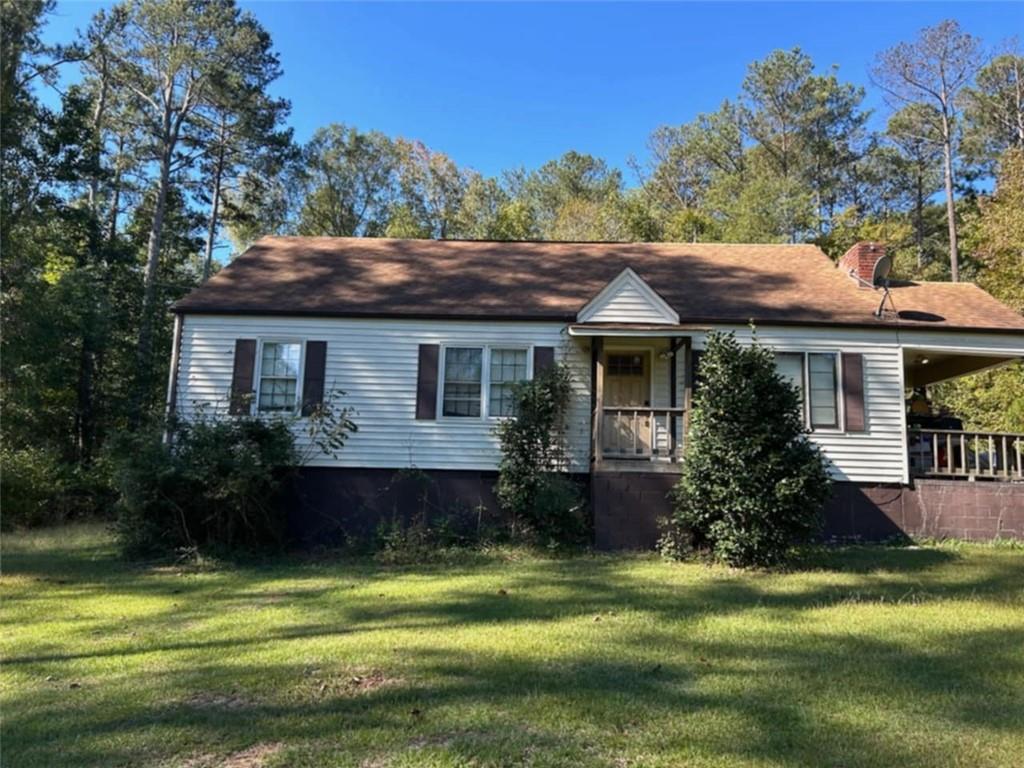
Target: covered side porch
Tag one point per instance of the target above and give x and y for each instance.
(938, 445)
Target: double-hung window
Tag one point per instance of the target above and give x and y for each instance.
(479, 379)
(823, 386)
(463, 374)
(815, 377)
(279, 376)
(507, 367)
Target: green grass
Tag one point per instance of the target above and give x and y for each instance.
(863, 657)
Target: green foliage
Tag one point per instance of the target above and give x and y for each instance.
(215, 484)
(752, 484)
(33, 483)
(532, 490)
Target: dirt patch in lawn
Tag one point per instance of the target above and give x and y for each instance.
(210, 700)
(255, 756)
(353, 684)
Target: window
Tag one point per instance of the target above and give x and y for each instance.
(626, 365)
(472, 375)
(507, 367)
(279, 376)
(790, 366)
(814, 375)
(463, 371)
(822, 380)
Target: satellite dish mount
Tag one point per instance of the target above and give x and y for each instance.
(879, 279)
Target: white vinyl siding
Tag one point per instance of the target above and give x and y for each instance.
(628, 299)
(375, 363)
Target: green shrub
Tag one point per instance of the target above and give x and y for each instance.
(752, 484)
(33, 485)
(533, 489)
(214, 485)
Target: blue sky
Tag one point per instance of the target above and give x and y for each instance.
(502, 85)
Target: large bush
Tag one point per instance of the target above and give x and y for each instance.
(752, 485)
(533, 488)
(215, 483)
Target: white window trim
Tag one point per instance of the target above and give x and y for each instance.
(806, 399)
(485, 378)
(255, 407)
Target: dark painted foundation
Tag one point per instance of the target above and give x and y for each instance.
(331, 506)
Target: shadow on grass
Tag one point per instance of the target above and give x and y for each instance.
(467, 706)
(660, 686)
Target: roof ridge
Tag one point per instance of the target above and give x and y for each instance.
(538, 241)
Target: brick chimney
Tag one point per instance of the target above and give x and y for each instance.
(860, 261)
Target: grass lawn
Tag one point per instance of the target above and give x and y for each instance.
(864, 657)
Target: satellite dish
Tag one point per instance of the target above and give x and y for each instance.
(881, 271)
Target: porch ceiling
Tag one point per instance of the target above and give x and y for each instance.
(930, 366)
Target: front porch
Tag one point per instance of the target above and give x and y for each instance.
(641, 386)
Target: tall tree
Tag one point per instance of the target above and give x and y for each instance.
(432, 187)
(573, 185)
(913, 131)
(348, 182)
(810, 128)
(995, 108)
(934, 70)
(174, 62)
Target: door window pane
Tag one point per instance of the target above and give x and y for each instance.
(462, 375)
(507, 367)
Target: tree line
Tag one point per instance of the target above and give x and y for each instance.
(169, 142)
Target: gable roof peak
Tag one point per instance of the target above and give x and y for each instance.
(628, 298)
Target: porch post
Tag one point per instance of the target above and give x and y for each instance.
(596, 399)
(673, 346)
(687, 385)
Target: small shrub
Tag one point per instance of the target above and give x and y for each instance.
(532, 486)
(752, 484)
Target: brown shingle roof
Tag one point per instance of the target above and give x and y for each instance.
(704, 283)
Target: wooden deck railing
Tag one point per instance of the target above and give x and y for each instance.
(641, 433)
(956, 453)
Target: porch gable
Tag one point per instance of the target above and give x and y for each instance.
(628, 299)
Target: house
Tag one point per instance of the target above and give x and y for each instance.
(426, 337)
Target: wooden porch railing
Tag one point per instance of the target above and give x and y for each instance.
(641, 433)
(956, 453)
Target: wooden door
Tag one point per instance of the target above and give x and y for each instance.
(627, 385)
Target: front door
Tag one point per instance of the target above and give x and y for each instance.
(627, 386)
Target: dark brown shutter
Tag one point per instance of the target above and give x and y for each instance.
(426, 382)
(241, 376)
(543, 358)
(313, 376)
(853, 392)
(695, 357)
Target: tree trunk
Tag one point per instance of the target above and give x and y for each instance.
(211, 231)
(115, 193)
(149, 282)
(919, 220)
(947, 157)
